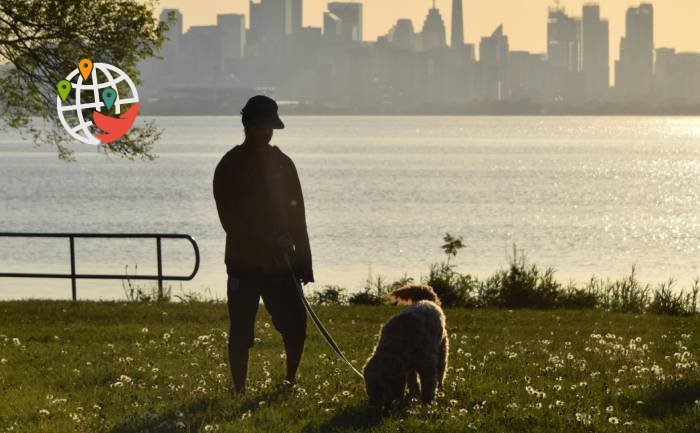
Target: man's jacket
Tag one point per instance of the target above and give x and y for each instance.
(259, 199)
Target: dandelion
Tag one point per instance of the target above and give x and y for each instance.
(613, 420)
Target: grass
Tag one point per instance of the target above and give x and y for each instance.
(161, 367)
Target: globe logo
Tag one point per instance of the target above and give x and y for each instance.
(90, 96)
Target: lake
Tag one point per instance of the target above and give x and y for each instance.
(586, 195)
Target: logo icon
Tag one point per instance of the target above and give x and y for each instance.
(101, 92)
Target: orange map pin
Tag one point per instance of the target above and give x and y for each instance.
(85, 67)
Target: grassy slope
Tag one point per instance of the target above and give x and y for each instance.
(69, 358)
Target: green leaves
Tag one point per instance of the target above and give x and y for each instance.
(43, 41)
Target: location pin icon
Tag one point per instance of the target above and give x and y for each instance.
(64, 88)
(85, 67)
(108, 97)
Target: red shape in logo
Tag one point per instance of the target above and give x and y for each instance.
(115, 128)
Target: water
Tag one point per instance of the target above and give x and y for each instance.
(585, 195)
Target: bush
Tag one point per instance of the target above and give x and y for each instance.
(453, 288)
(681, 304)
(627, 295)
(329, 295)
(573, 297)
(372, 294)
(521, 286)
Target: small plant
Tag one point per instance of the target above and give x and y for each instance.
(137, 293)
(454, 289)
(452, 246)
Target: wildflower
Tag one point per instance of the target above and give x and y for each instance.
(453, 402)
(3, 361)
(44, 412)
(166, 337)
(613, 420)
(16, 341)
(144, 331)
(609, 409)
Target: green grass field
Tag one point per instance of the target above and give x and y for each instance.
(161, 367)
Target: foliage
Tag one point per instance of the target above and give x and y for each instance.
(43, 40)
(329, 295)
(373, 293)
(454, 289)
(452, 245)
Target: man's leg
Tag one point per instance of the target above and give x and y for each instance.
(243, 299)
(289, 317)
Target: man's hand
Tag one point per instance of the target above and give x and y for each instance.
(285, 243)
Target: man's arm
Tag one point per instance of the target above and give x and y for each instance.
(302, 257)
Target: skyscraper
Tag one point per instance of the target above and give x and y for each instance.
(232, 32)
(595, 53)
(493, 58)
(457, 24)
(563, 53)
(434, 33)
(635, 68)
(171, 46)
(350, 15)
(297, 15)
(271, 20)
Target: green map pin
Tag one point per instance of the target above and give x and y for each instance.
(64, 87)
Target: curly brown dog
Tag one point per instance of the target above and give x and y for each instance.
(412, 344)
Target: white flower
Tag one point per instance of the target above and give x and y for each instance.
(609, 409)
(16, 341)
(613, 420)
(144, 330)
(3, 361)
(44, 412)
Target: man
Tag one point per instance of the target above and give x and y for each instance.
(261, 207)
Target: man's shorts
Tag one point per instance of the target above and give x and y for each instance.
(281, 300)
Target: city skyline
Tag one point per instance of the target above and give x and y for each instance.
(674, 23)
(416, 67)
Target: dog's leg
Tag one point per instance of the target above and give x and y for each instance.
(428, 382)
(412, 379)
(442, 361)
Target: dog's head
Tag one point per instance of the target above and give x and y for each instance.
(385, 383)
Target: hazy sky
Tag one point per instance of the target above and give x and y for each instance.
(676, 21)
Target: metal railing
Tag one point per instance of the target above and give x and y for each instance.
(74, 276)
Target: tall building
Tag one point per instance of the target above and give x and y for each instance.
(350, 15)
(457, 24)
(271, 20)
(595, 53)
(563, 53)
(233, 37)
(493, 59)
(635, 68)
(297, 15)
(171, 46)
(434, 33)
(332, 26)
(403, 35)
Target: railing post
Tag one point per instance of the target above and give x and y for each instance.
(72, 268)
(160, 269)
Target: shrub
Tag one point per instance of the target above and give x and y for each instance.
(372, 294)
(626, 295)
(680, 304)
(329, 295)
(453, 288)
(522, 286)
(576, 298)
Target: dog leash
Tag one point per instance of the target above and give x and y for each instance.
(322, 329)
